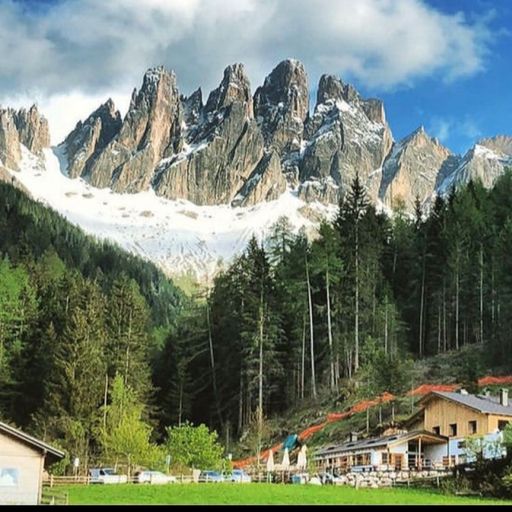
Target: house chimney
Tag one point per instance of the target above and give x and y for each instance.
(353, 436)
(504, 397)
(463, 391)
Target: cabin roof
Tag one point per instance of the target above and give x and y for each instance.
(378, 442)
(481, 403)
(30, 441)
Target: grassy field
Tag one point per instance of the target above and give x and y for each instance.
(256, 494)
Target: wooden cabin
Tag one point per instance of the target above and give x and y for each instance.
(459, 415)
(22, 460)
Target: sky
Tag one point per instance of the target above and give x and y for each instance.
(443, 64)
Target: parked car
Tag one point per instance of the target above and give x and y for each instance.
(154, 477)
(106, 476)
(240, 476)
(211, 476)
(300, 478)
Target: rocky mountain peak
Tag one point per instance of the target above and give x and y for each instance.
(192, 107)
(330, 87)
(501, 144)
(10, 150)
(22, 127)
(285, 88)
(281, 105)
(91, 136)
(150, 130)
(235, 87)
(485, 161)
(412, 169)
(33, 129)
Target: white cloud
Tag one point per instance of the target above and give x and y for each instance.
(98, 48)
(447, 129)
(441, 128)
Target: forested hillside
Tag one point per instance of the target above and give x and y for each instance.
(74, 312)
(293, 320)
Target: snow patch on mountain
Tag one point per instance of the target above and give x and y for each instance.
(178, 236)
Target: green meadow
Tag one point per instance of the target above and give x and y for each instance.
(263, 494)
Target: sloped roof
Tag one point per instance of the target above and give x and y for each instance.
(481, 403)
(376, 442)
(31, 441)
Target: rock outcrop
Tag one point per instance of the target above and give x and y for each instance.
(345, 135)
(281, 106)
(411, 170)
(33, 129)
(90, 137)
(486, 162)
(150, 130)
(265, 183)
(214, 165)
(23, 127)
(234, 88)
(10, 150)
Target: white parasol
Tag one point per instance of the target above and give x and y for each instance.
(301, 458)
(286, 460)
(270, 461)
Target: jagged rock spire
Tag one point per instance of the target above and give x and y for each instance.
(235, 87)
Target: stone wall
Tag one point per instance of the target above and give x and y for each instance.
(376, 479)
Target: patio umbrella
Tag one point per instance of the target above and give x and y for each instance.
(301, 459)
(286, 460)
(270, 461)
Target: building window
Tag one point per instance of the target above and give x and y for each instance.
(9, 477)
(453, 429)
(436, 430)
(472, 427)
(385, 458)
(502, 424)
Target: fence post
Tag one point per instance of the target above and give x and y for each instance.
(51, 480)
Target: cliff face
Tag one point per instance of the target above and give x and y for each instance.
(346, 135)
(485, 161)
(21, 127)
(411, 170)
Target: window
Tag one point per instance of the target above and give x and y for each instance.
(385, 458)
(472, 427)
(453, 429)
(9, 477)
(502, 424)
(436, 430)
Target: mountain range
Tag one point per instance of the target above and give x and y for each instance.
(186, 181)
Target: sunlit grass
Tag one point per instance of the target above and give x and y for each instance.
(215, 493)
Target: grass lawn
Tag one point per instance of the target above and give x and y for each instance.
(246, 494)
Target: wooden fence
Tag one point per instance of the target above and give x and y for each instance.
(54, 480)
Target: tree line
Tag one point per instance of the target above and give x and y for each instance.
(75, 313)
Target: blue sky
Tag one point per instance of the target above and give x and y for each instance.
(468, 108)
(444, 64)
